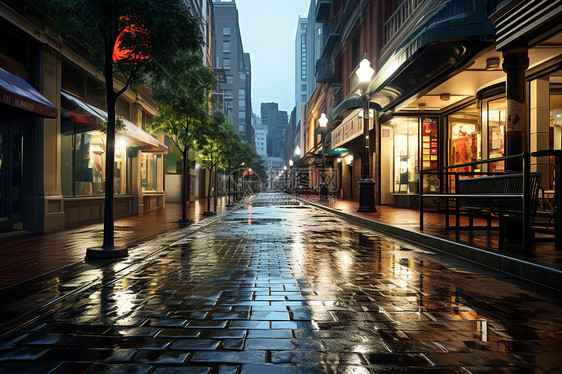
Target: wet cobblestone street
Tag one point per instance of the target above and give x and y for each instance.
(281, 287)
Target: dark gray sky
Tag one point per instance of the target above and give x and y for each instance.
(268, 30)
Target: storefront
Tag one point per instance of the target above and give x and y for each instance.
(468, 131)
(138, 159)
(21, 110)
(407, 143)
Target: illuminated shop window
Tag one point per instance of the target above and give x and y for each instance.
(406, 166)
(494, 113)
(149, 171)
(465, 133)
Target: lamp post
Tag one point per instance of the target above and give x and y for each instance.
(366, 184)
(297, 156)
(285, 170)
(291, 163)
(323, 188)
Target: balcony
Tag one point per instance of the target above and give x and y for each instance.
(325, 70)
(323, 9)
(400, 16)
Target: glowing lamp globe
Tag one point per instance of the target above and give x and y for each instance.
(323, 120)
(365, 71)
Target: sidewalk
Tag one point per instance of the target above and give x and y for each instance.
(26, 257)
(542, 264)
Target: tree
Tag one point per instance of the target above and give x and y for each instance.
(148, 31)
(182, 115)
(210, 148)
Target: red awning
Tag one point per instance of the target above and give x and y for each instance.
(19, 94)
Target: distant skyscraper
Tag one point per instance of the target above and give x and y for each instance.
(261, 138)
(234, 65)
(276, 122)
(302, 67)
(314, 46)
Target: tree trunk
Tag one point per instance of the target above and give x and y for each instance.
(209, 187)
(186, 187)
(184, 195)
(216, 188)
(108, 219)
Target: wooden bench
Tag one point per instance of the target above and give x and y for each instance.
(501, 198)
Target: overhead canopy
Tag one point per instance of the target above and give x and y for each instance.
(351, 103)
(137, 136)
(17, 93)
(443, 41)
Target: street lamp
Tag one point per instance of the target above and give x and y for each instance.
(291, 163)
(323, 122)
(366, 184)
(297, 156)
(286, 171)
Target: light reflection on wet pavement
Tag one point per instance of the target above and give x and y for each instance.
(280, 287)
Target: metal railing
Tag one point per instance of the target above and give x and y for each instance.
(445, 192)
(399, 17)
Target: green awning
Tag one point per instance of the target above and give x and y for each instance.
(338, 150)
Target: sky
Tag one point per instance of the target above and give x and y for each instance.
(268, 30)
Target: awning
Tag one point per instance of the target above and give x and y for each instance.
(17, 93)
(137, 136)
(146, 141)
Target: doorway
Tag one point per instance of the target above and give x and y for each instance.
(11, 172)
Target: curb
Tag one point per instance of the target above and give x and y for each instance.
(543, 275)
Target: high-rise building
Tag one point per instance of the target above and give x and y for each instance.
(235, 65)
(314, 47)
(302, 67)
(276, 122)
(203, 9)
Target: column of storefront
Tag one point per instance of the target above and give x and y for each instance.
(515, 62)
(53, 203)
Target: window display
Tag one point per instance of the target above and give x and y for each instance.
(495, 114)
(465, 133)
(429, 144)
(406, 177)
(149, 172)
(83, 153)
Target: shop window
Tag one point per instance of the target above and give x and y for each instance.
(83, 154)
(495, 115)
(555, 130)
(430, 153)
(465, 133)
(149, 171)
(406, 177)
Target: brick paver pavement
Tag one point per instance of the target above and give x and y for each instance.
(28, 256)
(277, 287)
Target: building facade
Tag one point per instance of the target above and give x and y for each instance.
(230, 58)
(302, 66)
(276, 122)
(199, 177)
(453, 84)
(52, 145)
